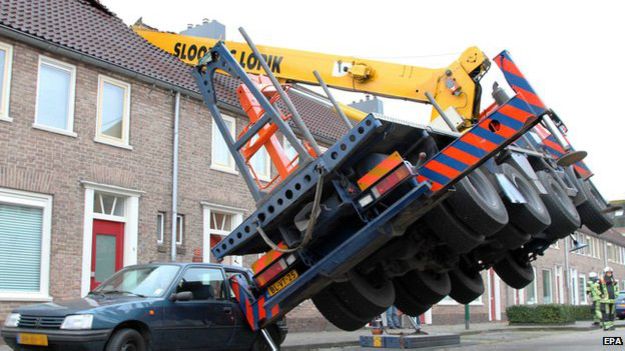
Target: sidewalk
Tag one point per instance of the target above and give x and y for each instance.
(308, 341)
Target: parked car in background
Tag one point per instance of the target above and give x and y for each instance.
(620, 305)
(159, 306)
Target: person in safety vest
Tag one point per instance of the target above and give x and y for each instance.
(593, 290)
(609, 292)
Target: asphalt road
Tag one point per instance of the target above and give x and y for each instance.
(527, 340)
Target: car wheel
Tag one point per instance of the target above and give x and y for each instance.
(564, 216)
(126, 340)
(260, 344)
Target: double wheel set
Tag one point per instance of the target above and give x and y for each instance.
(475, 228)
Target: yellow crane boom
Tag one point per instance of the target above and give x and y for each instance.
(453, 86)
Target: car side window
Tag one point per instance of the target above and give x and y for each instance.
(203, 283)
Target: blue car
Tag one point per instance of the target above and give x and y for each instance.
(620, 305)
(160, 306)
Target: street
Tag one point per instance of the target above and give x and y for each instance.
(527, 340)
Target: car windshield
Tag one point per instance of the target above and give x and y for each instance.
(146, 281)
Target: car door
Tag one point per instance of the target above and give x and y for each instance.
(206, 322)
(243, 335)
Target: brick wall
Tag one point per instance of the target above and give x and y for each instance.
(50, 163)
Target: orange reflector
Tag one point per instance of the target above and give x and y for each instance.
(268, 258)
(380, 170)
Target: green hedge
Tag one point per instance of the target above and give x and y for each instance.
(547, 314)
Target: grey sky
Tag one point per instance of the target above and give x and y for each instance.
(572, 52)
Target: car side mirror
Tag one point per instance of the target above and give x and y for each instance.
(182, 296)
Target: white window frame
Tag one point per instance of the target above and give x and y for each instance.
(69, 131)
(237, 219)
(6, 83)
(22, 198)
(161, 223)
(124, 142)
(180, 217)
(214, 129)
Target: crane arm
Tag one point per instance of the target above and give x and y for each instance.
(456, 85)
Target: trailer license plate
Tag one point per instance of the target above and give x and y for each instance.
(283, 282)
(32, 339)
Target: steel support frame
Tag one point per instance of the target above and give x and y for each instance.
(222, 59)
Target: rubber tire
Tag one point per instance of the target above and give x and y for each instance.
(510, 237)
(406, 302)
(335, 312)
(513, 272)
(451, 231)
(465, 286)
(363, 299)
(426, 287)
(590, 210)
(477, 204)
(564, 216)
(123, 337)
(531, 217)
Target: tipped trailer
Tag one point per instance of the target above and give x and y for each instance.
(357, 227)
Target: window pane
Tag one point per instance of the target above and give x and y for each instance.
(290, 151)
(179, 228)
(104, 256)
(221, 221)
(221, 155)
(260, 163)
(20, 247)
(53, 96)
(547, 296)
(112, 110)
(160, 223)
(3, 56)
(203, 283)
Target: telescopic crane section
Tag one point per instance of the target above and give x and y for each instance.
(456, 85)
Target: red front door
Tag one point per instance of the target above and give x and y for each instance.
(107, 251)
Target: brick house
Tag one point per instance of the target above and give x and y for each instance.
(87, 115)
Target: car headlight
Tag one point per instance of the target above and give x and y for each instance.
(12, 320)
(78, 321)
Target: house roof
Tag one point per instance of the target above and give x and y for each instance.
(89, 28)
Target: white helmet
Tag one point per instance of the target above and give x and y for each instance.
(592, 275)
(608, 269)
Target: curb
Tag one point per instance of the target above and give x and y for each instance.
(461, 333)
(320, 345)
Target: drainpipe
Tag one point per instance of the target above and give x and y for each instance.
(567, 272)
(174, 192)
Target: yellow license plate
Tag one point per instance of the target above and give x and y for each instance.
(32, 339)
(283, 282)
